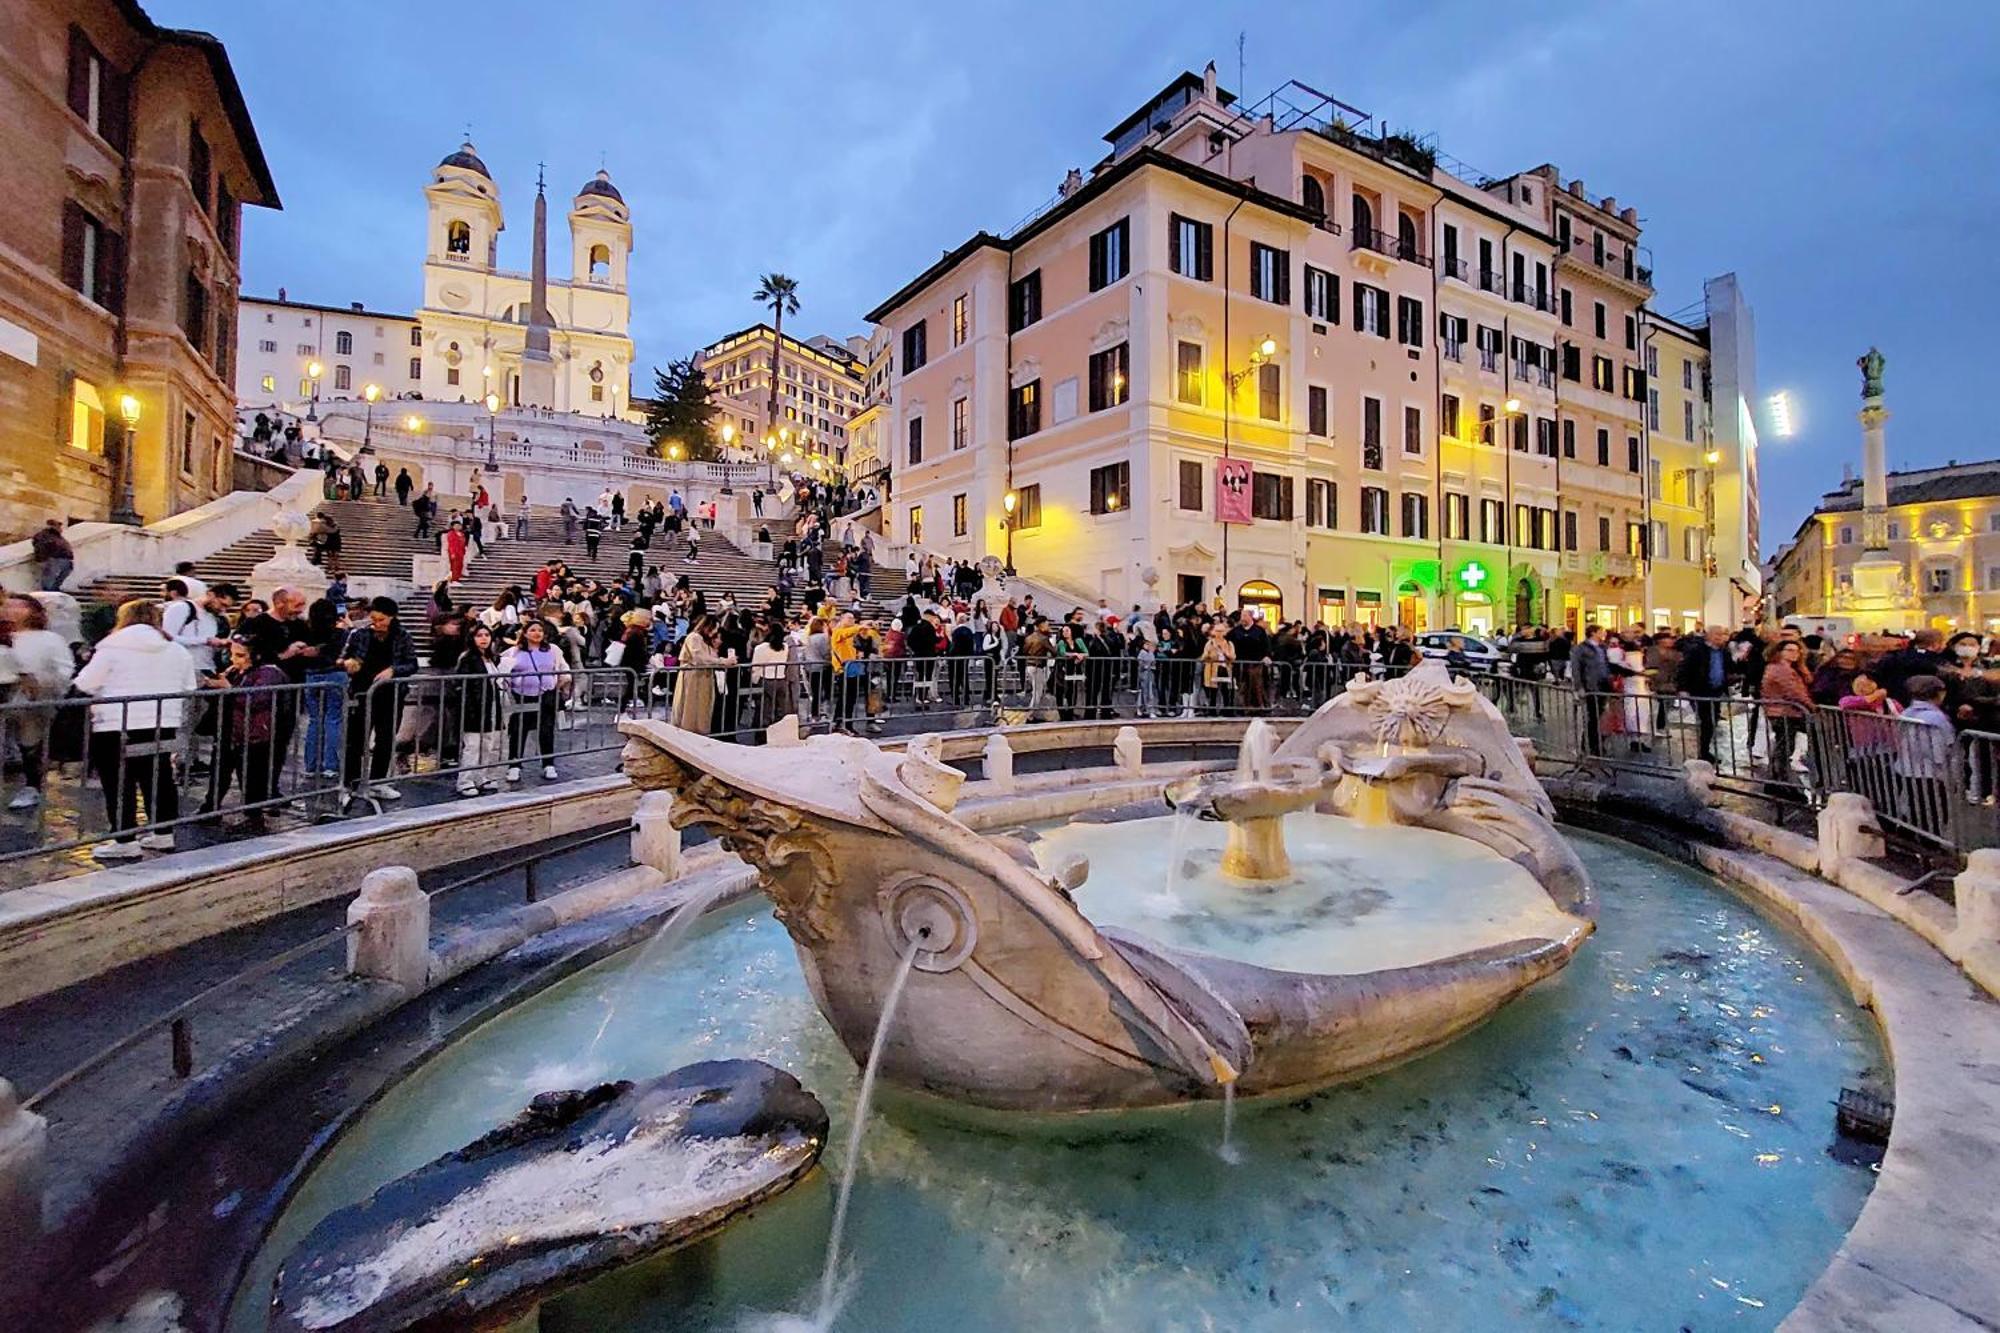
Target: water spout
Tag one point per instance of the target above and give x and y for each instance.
(1253, 756)
(1229, 1152)
(664, 941)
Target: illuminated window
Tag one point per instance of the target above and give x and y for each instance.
(86, 417)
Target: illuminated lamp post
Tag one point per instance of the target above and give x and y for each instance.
(125, 511)
(1007, 502)
(371, 393)
(492, 433)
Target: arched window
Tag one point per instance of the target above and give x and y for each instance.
(343, 344)
(1406, 235)
(600, 263)
(1312, 196)
(1364, 220)
(1262, 596)
(458, 238)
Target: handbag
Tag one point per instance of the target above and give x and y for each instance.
(615, 654)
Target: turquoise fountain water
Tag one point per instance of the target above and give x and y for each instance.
(1639, 1143)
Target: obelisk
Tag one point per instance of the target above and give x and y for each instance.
(538, 367)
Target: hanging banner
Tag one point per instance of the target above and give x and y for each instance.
(1232, 490)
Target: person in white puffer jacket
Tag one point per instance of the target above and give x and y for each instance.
(42, 667)
(132, 739)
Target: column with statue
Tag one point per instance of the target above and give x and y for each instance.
(1882, 597)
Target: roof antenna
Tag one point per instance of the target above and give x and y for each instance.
(468, 131)
(1241, 86)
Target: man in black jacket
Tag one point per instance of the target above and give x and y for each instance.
(1703, 677)
(380, 651)
(1919, 657)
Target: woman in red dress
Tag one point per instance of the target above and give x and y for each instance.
(454, 550)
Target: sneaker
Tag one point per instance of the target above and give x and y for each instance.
(514, 773)
(491, 784)
(329, 772)
(116, 851)
(468, 790)
(383, 791)
(549, 772)
(25, 799)
(157, 842)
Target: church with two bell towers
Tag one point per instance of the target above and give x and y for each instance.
(528, 339)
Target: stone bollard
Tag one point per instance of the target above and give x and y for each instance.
(24, 1155)
(1848, 833)
(1977, 890)
(784, 732)
(394, 939)
(1699, 777)
(1128, 751)
(655, 840)
(998, 763)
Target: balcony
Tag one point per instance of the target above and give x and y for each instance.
(1489, 281)
(1622, 265)
(1489, 359)
(1387, 243)
(1534, 297)
(1455, 268)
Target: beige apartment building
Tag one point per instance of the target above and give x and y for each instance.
(130, 154)
(821, 383)
(1415, 398)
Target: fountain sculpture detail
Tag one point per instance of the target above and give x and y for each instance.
(1018, 1001)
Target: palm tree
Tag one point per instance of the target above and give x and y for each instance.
(782, 295)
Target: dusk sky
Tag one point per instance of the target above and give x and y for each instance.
(1836, 155)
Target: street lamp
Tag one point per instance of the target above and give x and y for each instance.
(413, 423)
(313, 371)
(1007, 502)
(674, 452)
(492, 432)
(1267, 347)
(125, 511)
(371, 393)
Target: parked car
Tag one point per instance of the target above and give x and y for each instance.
(1473, 652)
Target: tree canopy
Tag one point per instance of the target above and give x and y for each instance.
(681, 411)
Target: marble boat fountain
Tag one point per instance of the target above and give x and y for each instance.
(1018, 1001)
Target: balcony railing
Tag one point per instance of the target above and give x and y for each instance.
(1489, 358)
(1387, 243)
(1527, 295)
(1545, 376)
(1489, 281)
(1455, 268)
(1454, 350)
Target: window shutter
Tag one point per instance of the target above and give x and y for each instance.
(1174, 242)
(1204, 253)
(113, 92)
(1285, 497)
(1097, 261)
(72, 245)
(111, 271)
(79, 72)
(1283, 295)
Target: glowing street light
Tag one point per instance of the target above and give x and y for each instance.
(1007, 502)
(1269, 347)
(128, 410)
(413, 423)
(370, 393)
(492, 433)
(674, 451)
(313, 371)
(1712, 457)
(1513, 405)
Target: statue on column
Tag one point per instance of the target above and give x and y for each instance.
(1871, 363)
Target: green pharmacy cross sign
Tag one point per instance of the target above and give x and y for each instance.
(1471, 575)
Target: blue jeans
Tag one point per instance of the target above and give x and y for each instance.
(325, 698)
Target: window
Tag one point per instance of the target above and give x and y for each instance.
(1451, 331)
(1635, 384)
(1545, 437)
(958, 320)
(416, 337)
(86, 417)
(1635, 539)
(1375, 511)
(1489, 348)
(1190, 485)
(1566, 307)
(458, 238)
(958, 515)
(343, 344)
(416, 367)
(1321, 503)
(1448, 415)
(1111, 254)
(1409, 321)
(1631, 453)
(225, 219)
(1270, 274)
(1603, 447)
(269, 384)
(1413, 430)
(960, 428)
(1111, 488)
(1270, 496)
(1517, 434)
(198, 166)
(1371, 310)
(187, 442)
(1371, 434)
(1895, 531)
(1406, 238)
(1657, 546)
(1652, 409)
(1603, 533)
(1108, 371)
(1457, 516)
(1601, 374)
(1024, 410)
(1316, 409)
(1416, 514)
(1524, 525)
(1569, 529)
(451, 375)
(1569, 437)
(1598, 318)
(1322, 296)
(1632, 334)
(1450, 265)
(93, 258)
(916, 525)
(267, 345)
(1486, 423)
(1028, 507)
(916, 349)
(1657, 479)
(1270, 405)
(1572, 363)
(1024, 301)
(1187, 373)
(96, 91)
(1492, 522)
(1687, 420)
(1191, 248)
(343, 378)
(1687, 374)
(1312, 196)
(916, 440)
